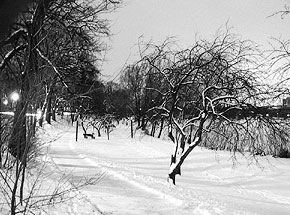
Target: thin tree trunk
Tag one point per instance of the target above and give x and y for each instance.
(14, 190)
(99, 132)
(22, 181)
(72, 116)
(48, 109)
(161, 128)
(143, 123)
(152, 133)
(77, 130)
(131, 128)
(44, 106)
(34, 121)
(85, 131)
(18, 137)
(53, 114)
(108, 132)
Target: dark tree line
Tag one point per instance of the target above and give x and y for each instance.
(49, 55)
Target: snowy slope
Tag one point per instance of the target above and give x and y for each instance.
(134, 177)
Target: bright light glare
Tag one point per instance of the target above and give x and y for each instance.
(38, 114)
(14, 96)
(5, 102)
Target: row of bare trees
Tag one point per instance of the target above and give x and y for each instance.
(210, 95)
(50, 57)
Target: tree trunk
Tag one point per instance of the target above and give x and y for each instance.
(22, 180)
(143, 123)
(54, 107)
(85, 131)
(161, 128)
(132, 129)
(152, 133)
(34, 126)
(108, 132)
(72, 116)
(48, 109)
(40, 121)
(179, 154)
(99, 132)
(77, 130)
(53, 114)
(17, 141)
(13, 199)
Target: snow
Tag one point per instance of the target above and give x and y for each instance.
(132, 177)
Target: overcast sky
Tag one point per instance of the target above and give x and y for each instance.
(158, 19)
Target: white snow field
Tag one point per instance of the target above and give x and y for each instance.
(134, 177)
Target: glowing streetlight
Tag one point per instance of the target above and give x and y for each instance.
(14, 96)
(5, 101)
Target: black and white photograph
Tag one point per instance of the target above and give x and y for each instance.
(153, 107)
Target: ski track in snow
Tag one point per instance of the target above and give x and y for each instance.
(105, 167)
(199, 192)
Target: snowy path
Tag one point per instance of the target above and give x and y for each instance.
(135, 171)
(114, 193)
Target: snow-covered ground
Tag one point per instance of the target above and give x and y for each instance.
(134, 177)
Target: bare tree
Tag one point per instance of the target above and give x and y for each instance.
(201, 86)
(133, 79)
(28, 61)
